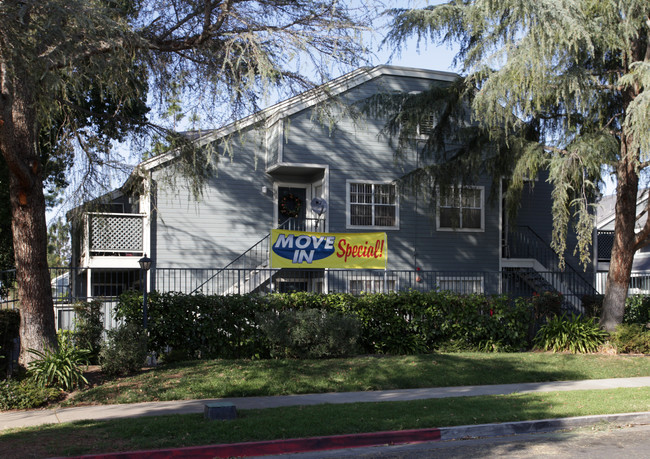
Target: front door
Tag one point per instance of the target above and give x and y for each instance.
(292, 208)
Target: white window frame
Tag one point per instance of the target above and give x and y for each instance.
(460, 228)
(348, 211)
(480, 279)
(375, 285)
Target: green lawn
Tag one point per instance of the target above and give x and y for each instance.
(87, 437)
(240, 378)
(211, 379)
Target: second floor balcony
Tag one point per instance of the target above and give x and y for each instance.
(110, 235)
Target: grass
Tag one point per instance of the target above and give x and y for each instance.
(89, 437)
(224, 378)
(227, 378)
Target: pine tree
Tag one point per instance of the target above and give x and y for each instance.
(563, 85)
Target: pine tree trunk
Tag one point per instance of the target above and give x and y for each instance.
(620, 267)
(18, 143)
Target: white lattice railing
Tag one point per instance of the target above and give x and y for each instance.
(115, 233)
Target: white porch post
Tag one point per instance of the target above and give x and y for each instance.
(89, 287)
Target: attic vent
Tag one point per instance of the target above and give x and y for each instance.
(426, 126)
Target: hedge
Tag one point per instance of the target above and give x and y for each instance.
(200, 326)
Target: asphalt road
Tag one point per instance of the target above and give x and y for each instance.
(599, 442)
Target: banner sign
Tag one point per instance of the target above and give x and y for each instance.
(297, 249)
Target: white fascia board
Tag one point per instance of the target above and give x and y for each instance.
(610, 218)
(113, 262)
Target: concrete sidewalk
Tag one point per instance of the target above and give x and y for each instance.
(15, 419)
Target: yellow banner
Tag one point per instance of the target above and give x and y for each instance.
(297, 249)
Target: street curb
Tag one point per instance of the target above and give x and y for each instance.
(538, 426)
(301, 445)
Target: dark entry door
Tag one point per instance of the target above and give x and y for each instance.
(292, 208)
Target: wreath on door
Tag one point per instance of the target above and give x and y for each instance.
(290, 205)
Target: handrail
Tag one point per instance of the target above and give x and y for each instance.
(282, 225)
(534, 246)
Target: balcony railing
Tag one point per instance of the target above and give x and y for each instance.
(115, 234)
(605, 245)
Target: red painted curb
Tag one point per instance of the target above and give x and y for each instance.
(294, 445)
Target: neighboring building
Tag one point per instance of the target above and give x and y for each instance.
(277, 161)
(640, 276)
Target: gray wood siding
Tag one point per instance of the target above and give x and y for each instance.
(358, 151)
(230, 216)
(233, 214)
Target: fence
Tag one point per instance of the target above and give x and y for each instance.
(70, 285)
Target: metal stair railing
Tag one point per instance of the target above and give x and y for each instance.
(256, 257)
(526, 243)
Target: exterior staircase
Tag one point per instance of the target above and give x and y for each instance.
(535, 265)
(250, 271)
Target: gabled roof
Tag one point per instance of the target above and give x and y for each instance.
(606, 211)
(287, 108)
(306, 100)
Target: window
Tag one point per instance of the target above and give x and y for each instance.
(639, 284)
(461, 208)
(463, 285)
(109, 290)
(372, 205)
(358, 286)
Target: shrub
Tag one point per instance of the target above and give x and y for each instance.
(89, 327)
(59, 368)
(593, 305)
(25, 394)
(632, 338)
(125, 350)
(637, 310)
(311, 334)
(199, 326)
(390, 324)
(129, 307)
(547, 305)
(573, 334)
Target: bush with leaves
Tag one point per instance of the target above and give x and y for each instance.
(198, 326)
(546, 305)
(637, 310)
(592, 305)
(574, 334)
(25, 394)
(631, 338)
(89, 327)
(61, 368)
(125, 350)
(201, 326)
(310, 334)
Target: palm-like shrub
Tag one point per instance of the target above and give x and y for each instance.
(574, 334)
(60, 368)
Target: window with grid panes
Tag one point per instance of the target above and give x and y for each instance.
(358, 286)
(462, 285)
(461, 208)
(372, 204)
